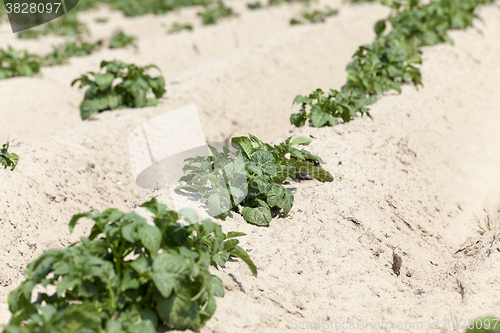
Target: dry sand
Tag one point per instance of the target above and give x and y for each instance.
(417, 181)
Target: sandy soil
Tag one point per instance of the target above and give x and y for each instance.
(421, 181)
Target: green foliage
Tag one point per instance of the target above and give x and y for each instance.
(391, 60)
(130, 92)
(381, 66)
(316, 16)
(251, 177)
(279, 2)
(488, 324)
(18, 63)
(215, 12)
(142, 7)
(61, 53)
(8, 160)
(120, 39)
(101, 20)
(176, 27)
(66, 25)
(127, 276)
(254, 5)
(325, 110)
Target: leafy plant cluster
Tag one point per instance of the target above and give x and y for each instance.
(18, 63)
(316, 16)
(131, 90)
(78, 47)
(21, 63)
(66, 25)
(250, 177)
(254, 5)
(258, 4)
(120, 39)
(177, 27)
(128, 276)
(279, 2)
(214, 12)
(213, 9)
(391, 60)
(326, 110)
(8, 160)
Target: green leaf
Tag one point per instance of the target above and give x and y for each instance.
(319, 119)
(233, 234)
(379, 27)
(220, 258)
(300, 140)
(75, 219)
(243, 255)
(113, 327)
(287, 203)
(150, 237)
(165, 282)
(171, 309)
(318, 173)
(217, 286)
(190, 215)
(140, 265)
(243, 143)
(260, 215)
(219, 202)
(265, 162)
(145, 326)
(104, 81)
(275, 196)
(171, 263)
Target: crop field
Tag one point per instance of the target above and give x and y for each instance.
(249, 166)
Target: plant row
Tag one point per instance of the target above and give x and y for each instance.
(390, 61)
(22, 63)
(213, 9)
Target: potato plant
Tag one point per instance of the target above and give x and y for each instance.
(139, 7)
(131, 91)
(61, 53)
(251, 177)
(279, 2)
(214, 12)
(127, 276)
(8, 160)
(120, 39)
(326, 110)
(18, 63)
(391, 60)
(316, 16)
(254, 5)
(177, 27)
